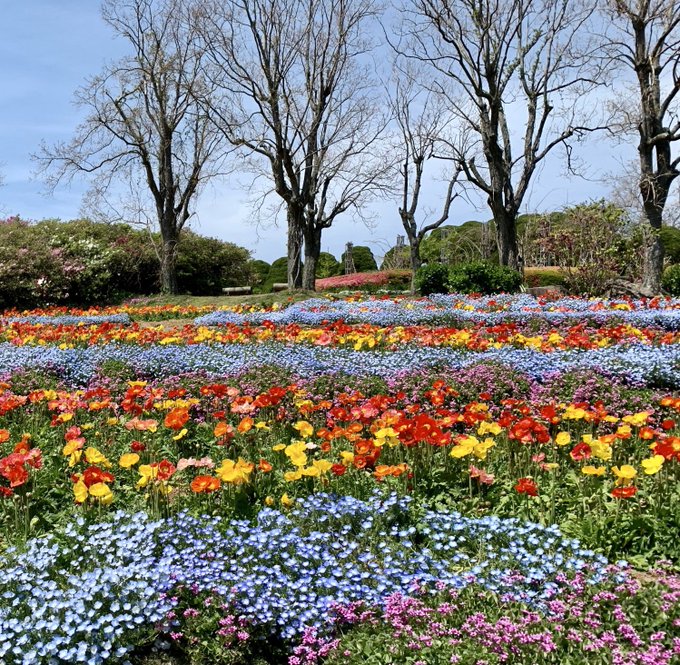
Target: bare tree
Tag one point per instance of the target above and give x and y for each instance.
(509, 64)
(143, 121)
(422, 120)
(299, 99)
(645, 38)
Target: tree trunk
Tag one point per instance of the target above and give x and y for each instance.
(295, 226)
(312, 252)
(416, 261)
(506, 238)
(654, 251)
(169, 283)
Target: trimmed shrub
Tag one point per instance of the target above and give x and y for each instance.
(259, 272)
(363, 258)
(205, 265)
(432, 278)
(481, 277)
(543, 276)
(327, 266)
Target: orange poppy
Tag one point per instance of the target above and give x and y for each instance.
(205, 484)
(176, 418)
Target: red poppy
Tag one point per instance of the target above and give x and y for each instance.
(624, 492)
(93, 475)
(339, 469)
(137, 447)
(580, 452)
(526, 486)
(16, 474)
(165, 469)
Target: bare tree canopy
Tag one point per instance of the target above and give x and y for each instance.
(502, 65)
(424, 125)
(299, 99)
(644, 37)
(143, 122)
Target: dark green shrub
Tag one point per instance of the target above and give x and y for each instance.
(671, 280)
(278, 273)
(670, 239)
(259, 271)
(482, 277)
(205, 265)
(363, 258)
(432, 278)
(327, 266)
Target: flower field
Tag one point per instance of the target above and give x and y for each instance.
(388, 480)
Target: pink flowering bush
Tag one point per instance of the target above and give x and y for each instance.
(360, 281)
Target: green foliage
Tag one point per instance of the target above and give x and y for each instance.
(278, 273)
(205, 265)
(327, 266)
(364, 261)
(471, 241)
(543, 277)
(397, 258)
(482, 277)
(671, 280)
(85, 262)
(432, 278)
(259, 271)
(670, 239)
(589, 243)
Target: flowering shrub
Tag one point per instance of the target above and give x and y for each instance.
(366, 281)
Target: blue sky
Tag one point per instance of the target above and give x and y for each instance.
(50, 47)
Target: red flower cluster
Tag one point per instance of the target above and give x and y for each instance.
(14, 467)
(526, 486)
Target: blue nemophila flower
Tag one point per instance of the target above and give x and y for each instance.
(91, 592)
(69, 320)
(638, 364)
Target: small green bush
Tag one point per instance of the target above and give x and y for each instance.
(482, 277)
(432, 278)
(671, 280)
(543, 277)
(278, 273)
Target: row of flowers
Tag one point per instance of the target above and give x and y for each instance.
(132, 310)
(637, 363)
(214, 444)
(475, 337)
(383, 311)
(460, 309)
(94, 590)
